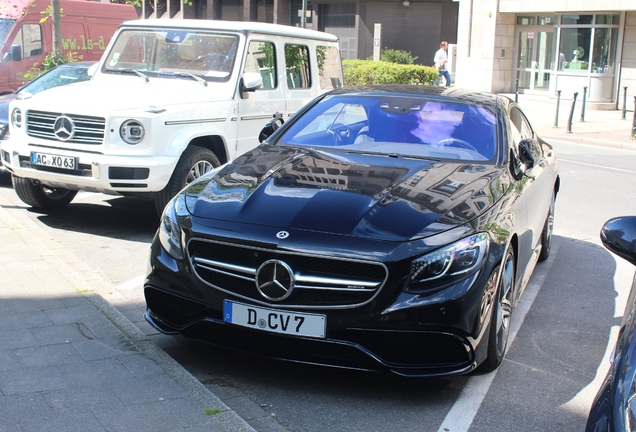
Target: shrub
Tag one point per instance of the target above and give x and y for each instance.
(365, 72)
(397, 56)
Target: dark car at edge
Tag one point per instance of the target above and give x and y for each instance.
(614, 409)
(383, 228)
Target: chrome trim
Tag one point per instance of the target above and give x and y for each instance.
(246, 270)
(257, 117)
(65, 148)
(182, 122)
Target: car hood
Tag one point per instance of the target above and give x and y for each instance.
(125, 95)
(343, 193)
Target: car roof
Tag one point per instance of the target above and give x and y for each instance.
(240, 26)
(440, 93)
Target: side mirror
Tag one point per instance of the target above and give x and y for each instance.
(270, 128)
(529, 152)
(16, 52)
(250, 82)
(619, 236)
(91, 70)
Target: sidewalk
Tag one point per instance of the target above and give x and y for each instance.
(600, 128)
(69, 361)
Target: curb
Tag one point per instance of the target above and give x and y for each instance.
(227, 418)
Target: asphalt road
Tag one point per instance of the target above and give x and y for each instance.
(564, 328)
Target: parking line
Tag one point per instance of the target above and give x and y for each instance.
(461, 415)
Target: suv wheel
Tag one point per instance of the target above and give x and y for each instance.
(41, 196)
(194, 163)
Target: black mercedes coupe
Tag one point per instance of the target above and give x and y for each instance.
(385, 228)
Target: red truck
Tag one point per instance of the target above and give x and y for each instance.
(26, 38)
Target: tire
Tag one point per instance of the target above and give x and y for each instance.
(546, 234)
(501, 316)
(195, 161)
(40, 196)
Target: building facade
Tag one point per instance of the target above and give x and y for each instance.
(417, 26)
(544, 47)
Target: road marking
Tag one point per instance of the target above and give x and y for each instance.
(461, 415)
(598, 166)
(131, 284)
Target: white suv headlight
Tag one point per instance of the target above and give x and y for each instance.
(132, 131)
(16, 117)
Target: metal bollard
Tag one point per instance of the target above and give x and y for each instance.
(583, 107)
(556, 116)
(572, 112)
(634, 121)
(517, 91)
(624, 103)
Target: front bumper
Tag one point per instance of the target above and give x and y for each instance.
(94, 172)
(441, 333)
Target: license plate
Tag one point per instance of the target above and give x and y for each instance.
(51, 160)
(273, 320)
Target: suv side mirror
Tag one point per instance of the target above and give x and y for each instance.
(270, 128)
(250, 82)
(16, 52)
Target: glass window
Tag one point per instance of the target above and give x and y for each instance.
(329, 67)
(265, 11)
(59, 76)
(525, 20)
(547, 20)
(29, 37)
(297, 66)
(605, 40)
(232, 10)
(6, 24)
(574, 50)
(261, 58)
(577, 19)
(608, 19)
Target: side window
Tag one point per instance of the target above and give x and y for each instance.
(29, 37)
(261, 58)
(521, 125)
(297, 66)
(329, 67)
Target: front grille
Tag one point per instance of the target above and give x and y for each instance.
(87, 130)
(83, 170)
(320, 282)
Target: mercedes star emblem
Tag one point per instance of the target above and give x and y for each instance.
(64, 128)
(274, 280)
(282, 235)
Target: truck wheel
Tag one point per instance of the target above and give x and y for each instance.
(194, 163)
(41, 196)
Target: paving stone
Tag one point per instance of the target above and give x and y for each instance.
(142, 390)
(19, 381)
(140, 365)
(95, 398)
(49, 355)
(52, 335)
(102, 348)
(94, 372)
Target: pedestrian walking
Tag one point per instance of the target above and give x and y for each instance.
(441, 60)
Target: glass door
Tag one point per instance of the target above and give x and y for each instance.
(536, 49)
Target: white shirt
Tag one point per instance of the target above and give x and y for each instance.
(441, 57)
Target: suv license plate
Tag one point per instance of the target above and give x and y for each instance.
(273, 320)
(51, 160)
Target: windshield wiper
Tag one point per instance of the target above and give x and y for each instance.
(193, 76)
(391, 155)
(139, 74)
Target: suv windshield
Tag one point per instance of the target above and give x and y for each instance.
(397, 125)
(172, 52)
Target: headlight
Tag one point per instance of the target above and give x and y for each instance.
(16, 117)
(132, 131)
(170, 233)
(456, 259)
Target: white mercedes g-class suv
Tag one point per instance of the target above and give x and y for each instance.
(168, 101)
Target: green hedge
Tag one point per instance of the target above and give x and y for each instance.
(367, 72)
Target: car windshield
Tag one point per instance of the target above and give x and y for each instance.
(60, 76)
(397, 125)
(156, 52)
